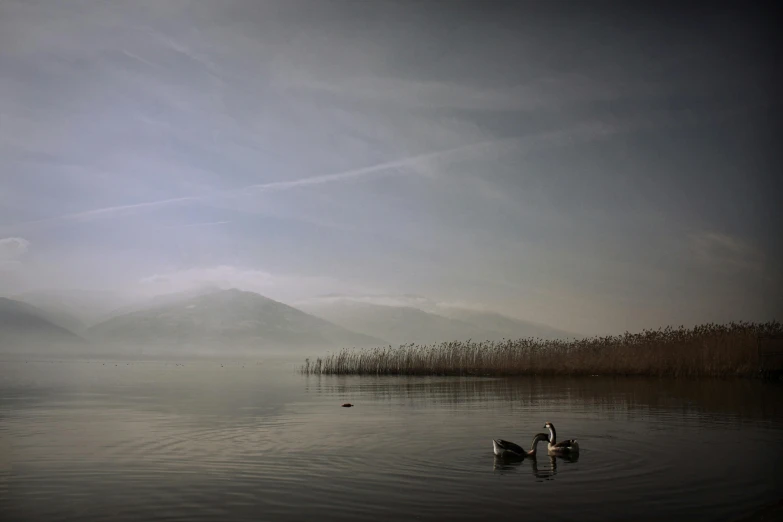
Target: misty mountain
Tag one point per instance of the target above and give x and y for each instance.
(55, 311)
(76, 309)
(397, 324)
(158, 300)
(510, 328)
(222, 321)
(25, 329)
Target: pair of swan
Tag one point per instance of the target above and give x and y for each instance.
(509, 449)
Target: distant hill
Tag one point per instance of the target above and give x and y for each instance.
(73, 308)
(224, 321)
(25, 329)
(508, 327)
(397, 324)
(55, 311)
(158, 300)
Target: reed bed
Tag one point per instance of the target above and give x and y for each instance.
(710, 350)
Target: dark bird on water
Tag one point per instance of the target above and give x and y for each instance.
(347, 405)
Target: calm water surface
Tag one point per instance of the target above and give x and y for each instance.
(100, 440)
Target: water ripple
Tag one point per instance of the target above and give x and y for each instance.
(202, 442)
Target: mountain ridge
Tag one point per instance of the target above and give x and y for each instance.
(231, 319)
(434, 323)
(508, 326)
(23, 325)
(398, 324)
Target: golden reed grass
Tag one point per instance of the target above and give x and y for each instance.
(710, 350)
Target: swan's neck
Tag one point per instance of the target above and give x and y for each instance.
(552, 435)
(538, 438)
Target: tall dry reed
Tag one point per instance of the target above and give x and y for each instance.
(710, 350)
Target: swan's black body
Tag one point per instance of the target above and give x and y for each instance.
(504, 448)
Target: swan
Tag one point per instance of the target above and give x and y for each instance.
(504, 448)
(566, 447)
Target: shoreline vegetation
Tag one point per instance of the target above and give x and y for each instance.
(709, 350)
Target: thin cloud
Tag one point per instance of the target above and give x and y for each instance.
(580, 132)
(13, 247)
(205, 224)
(104, 211)
(282, 287)
(399, 300)
(725, 253)
(276, 185)
(12, 250)
(140, 59)
(589, 130)
(409, 161)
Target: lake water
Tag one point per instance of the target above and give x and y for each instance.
(228, 440)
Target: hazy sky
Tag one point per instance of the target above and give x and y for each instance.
(596, 167)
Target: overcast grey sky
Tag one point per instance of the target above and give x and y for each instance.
(596, 167)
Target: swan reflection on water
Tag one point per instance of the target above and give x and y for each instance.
(507, 464)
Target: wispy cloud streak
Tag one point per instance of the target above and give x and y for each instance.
(277, 185)
(205, 224)
(410, 161)
(583, 131)
(87, 214)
